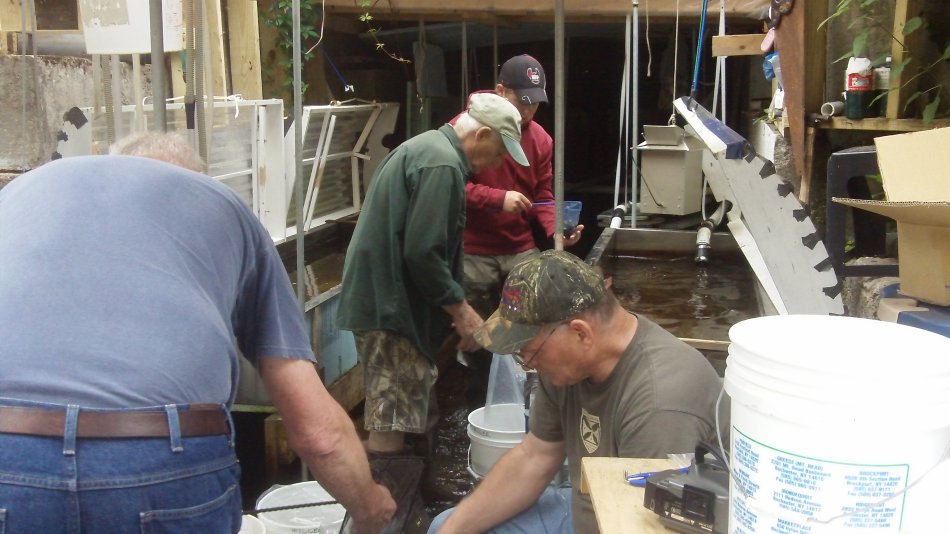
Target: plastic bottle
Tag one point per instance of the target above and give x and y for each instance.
(882, 83)
(859, 87)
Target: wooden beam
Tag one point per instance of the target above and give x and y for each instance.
(737, 45)
(219, 65)
(244, 44)
(898, 95)
(177, 73)
(9, 21)
(801, 46)
(881, 124)
(543, 9)
(348, 388)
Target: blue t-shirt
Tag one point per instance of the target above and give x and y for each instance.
(127, 282)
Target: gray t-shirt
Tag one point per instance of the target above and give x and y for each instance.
(659, 399)
(125, 282)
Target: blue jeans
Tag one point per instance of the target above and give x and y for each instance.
(550, 515)
(154, 485)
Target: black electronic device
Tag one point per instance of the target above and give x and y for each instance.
(695, 502)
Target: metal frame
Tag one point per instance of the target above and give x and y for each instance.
(330, 143)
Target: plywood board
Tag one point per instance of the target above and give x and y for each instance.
(737, 45)
(245, 48)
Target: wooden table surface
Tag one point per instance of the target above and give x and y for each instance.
(618, 505)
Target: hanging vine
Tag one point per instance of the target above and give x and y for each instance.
(367, 18)
(279, 15)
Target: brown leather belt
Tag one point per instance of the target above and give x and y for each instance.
(198, 420)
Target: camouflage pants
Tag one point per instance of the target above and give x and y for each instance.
(484, 276)
(398, 379)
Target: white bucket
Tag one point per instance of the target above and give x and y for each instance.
(493, 430)
(324, 519)
(252, 525)
(831, 416)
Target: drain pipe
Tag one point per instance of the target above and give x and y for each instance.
(704, 235)
(617, 215)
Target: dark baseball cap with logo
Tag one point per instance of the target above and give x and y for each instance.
(546, 289)
(525, 76)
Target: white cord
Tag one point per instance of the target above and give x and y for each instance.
(323, 18)
(649, 48)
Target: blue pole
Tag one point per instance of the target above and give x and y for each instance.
(699, 51)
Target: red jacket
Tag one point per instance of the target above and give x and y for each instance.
(489, 231)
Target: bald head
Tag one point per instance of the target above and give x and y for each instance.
(168, 147)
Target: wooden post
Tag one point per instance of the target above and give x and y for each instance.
(897, 97)
(245, 46)
(218, 66)
(801, 46)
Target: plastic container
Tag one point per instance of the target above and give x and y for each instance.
(326, 519)
(832, 417)
(572, 215)
(859, 88)
(505, 381)
(493, 431)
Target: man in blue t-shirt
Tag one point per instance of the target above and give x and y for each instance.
(128, 286)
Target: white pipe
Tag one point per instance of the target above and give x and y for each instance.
(624, 97)
(616, 219)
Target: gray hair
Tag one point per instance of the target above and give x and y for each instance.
(465, 125)
(169, 147)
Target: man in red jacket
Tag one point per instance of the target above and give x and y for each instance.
(499, 211)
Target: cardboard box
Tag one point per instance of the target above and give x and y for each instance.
(915, 168)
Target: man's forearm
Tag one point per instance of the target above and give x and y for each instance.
(496, 498)
(321, 432)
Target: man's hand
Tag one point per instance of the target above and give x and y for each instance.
(466, 321)
(382, 507)
(575, 236)
(515, 202)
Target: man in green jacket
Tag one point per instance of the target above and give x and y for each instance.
(402, 281)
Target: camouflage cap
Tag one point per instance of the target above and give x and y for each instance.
(545, 289)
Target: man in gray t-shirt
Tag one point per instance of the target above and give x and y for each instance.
(612, 384)
(127, 285)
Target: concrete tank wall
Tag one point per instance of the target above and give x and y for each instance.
(35, 94)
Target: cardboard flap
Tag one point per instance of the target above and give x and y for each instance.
(920, 213)
(914, 166)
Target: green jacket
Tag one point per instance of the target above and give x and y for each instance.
(405, 259)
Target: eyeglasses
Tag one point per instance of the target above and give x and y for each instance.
(525, 363)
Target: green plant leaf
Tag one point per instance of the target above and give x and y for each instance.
(846, 55)
(860, 42)
(896, 70)
(911, 98)
(946, 53)
(930, 111)
(911, 25)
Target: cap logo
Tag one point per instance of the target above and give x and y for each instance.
(511, 297)
(534, 75)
